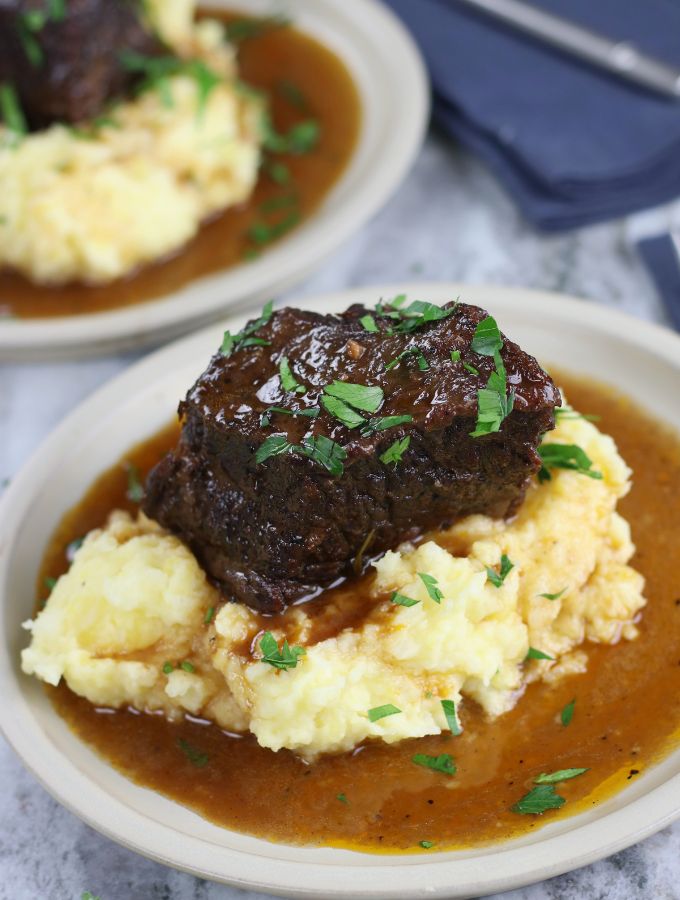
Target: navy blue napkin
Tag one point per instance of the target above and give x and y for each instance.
(573, 145)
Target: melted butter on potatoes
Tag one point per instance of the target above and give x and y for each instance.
(135, 597)
(95, 203)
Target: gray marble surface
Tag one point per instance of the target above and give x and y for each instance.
(449, 221)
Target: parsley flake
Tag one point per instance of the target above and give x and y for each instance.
(187, 666)
(381, 712)
(538, 800)
(487, 340)
(272, 446)
(342, 798)
(554, 596)
(168, 668)
(360, 396)
(157, 70)
(567, 713)
(451, 714)
(288, 380)
(195, 757)
(565, 456)
(135, 488)
(497, 578)
(432, 586)
(208, 617)
(265, 419)
(395, 451)
(374, 425)
(416, 352)
(50, 584)
(284, 658)
(302, 138)
(402, 600)
(341, 411)
(494, 404)
(533, 653)
(426, 845)
(233, 342)
(244, 29)
(443, 763)
(455, 356)
(470, 369)
(368, 323)
(324, 451)
(556, 777)
(11, 111)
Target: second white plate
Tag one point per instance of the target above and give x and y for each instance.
(392, 83)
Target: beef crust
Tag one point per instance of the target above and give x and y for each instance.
(272, 533)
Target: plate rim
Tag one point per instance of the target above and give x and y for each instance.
(292, 258)
(418, 876)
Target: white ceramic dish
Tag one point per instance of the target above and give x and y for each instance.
(391, 79)
(641, 359)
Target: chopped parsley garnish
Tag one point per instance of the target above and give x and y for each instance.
(426, 845)
(56, 10)
(50, 583)
(556, 777)
(402, 600)
(301, 138)
(244, 29)
(368, 323)
(187, 666)
(451, 714)
(156, 70)
(443, 763)
(11, 111)
(265, 419)
(168, 668)
(395, 451)
(324, 451)
(88, 895)
(567, 713)
(470, 369)
(272, 446)
(233, 342)
(423, 364)
(31, 23)
(196, 757)
(264, 232)
(494, 404)
(565, 456)
(487, 340)
(417, 313)
(342, 798)
(538, 800)
(360, 396)
(277, 171)
(284, 658)
(135, 488)
(533, 653)
(497, 578)
(208, 617)
(381, 712)
(554, 596)
(292, 93)
(288, 381)
(320, 449)
(432, 586)
(284, 201)
(566, 412)
(341, 411)
(374, 425)
(455, 356)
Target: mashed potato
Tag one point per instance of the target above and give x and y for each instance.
(93, 205)
(136, 598)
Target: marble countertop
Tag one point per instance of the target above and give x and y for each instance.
(449, 221)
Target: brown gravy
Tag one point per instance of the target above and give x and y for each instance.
(627, 711)
(271, 62)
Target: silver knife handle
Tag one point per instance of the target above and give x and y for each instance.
(621, 58)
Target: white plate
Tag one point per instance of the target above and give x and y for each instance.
(390, 76)
(641, 359)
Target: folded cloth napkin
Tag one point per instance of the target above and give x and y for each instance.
(572, 144)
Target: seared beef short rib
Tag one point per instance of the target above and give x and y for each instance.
(270, 533)
(63, 59)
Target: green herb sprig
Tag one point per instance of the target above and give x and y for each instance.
(284, 658)
(443, 763)
(497, 578)
(233, 342)
(565, 456)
